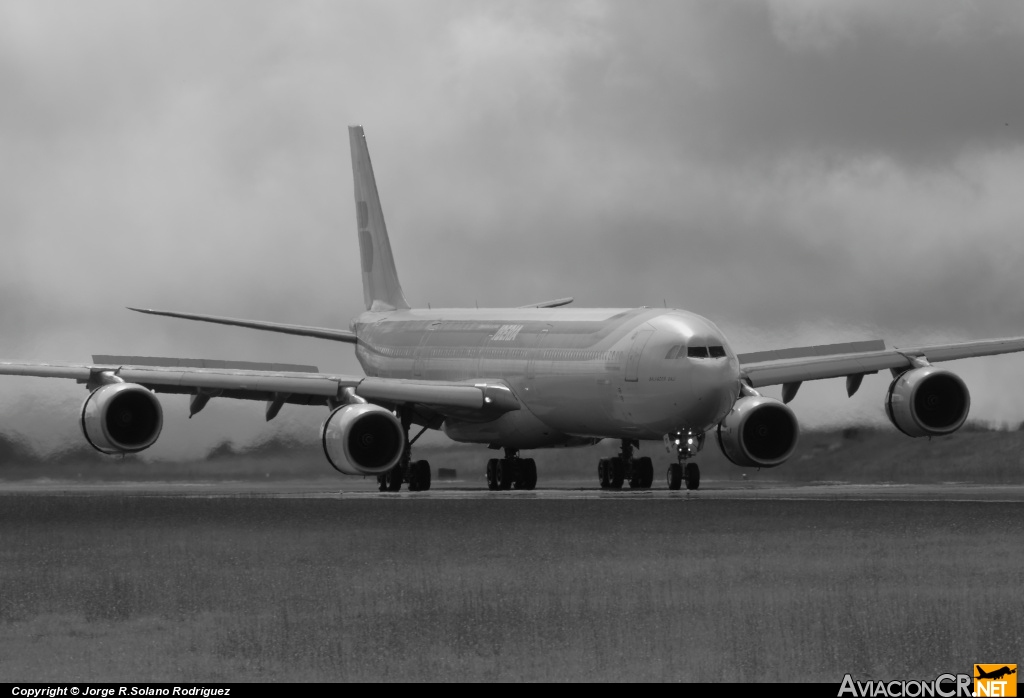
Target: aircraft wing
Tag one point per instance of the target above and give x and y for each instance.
(278, 384)
(299, 330)
(790, 367)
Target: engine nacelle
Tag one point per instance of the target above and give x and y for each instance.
(759, 432)
(927, 401)
(121, 418)
(362, 439)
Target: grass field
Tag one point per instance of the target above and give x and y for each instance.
(107, 588)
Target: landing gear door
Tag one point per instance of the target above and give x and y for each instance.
(636, 350)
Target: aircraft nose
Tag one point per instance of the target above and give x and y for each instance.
(715, 386)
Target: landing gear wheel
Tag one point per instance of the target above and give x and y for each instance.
(526, 478)
(393, 479)
(674, 476)
(602, 473)
(504, 473)
(525, 474)
(643, 474)
(691, 475)
(492, 474)
(382, 482)
(617, 473)
(419, 480)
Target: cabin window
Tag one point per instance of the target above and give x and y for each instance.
(697, 352)
(717, 352)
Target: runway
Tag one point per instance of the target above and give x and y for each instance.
(569, 489)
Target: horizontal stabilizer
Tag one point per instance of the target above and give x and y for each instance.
(110, 360)
(299, 330)
(551, 304)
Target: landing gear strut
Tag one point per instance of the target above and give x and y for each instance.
(511, 472)
(612, 472)
(416, 473)
(686, 443)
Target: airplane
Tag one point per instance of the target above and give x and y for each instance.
(995, 674)
(517, 379)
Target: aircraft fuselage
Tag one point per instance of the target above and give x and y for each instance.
(579, 374)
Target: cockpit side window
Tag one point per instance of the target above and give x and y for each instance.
(672, 352)
(717, 352)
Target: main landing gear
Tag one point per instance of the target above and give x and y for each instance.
(687, 444)
(416, 473)
(612, 472)
(511, 472)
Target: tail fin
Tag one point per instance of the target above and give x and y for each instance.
(381, 288)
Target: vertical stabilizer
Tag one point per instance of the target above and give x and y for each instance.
(381, 288)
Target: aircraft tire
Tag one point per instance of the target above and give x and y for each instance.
(492, 474)
(602, 473)
(644, 469)
(421, 472)
(382, 482)
(527, 474)
(674, 476)
(692, 476)
(393, 479)
(618, 473)
(504, 474)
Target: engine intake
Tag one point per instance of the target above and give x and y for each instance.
(362, 439)
(121, 418)
(759, 432)
(927, 401)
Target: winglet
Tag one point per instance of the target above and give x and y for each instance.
(381, 288)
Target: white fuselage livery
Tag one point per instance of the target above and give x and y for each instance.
(579, 374)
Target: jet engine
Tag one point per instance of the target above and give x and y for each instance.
(759, 432)
(362, 439)
(927, 401)
(121, 418)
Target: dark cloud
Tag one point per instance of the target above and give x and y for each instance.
(798, 171)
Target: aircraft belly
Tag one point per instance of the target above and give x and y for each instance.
(518, 429)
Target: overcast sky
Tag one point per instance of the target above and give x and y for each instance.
(798, 171)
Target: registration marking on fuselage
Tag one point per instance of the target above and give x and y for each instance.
(506, 333)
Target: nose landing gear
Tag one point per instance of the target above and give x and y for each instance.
(686, 443)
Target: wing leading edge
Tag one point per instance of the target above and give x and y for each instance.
(793, 366)
(484, 399)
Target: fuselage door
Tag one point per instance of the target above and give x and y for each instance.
(535, 352)
(423, 350)
(636, 350)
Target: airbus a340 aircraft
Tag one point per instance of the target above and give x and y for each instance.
(520, 378)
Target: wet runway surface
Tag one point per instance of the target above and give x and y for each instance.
(569, 489)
